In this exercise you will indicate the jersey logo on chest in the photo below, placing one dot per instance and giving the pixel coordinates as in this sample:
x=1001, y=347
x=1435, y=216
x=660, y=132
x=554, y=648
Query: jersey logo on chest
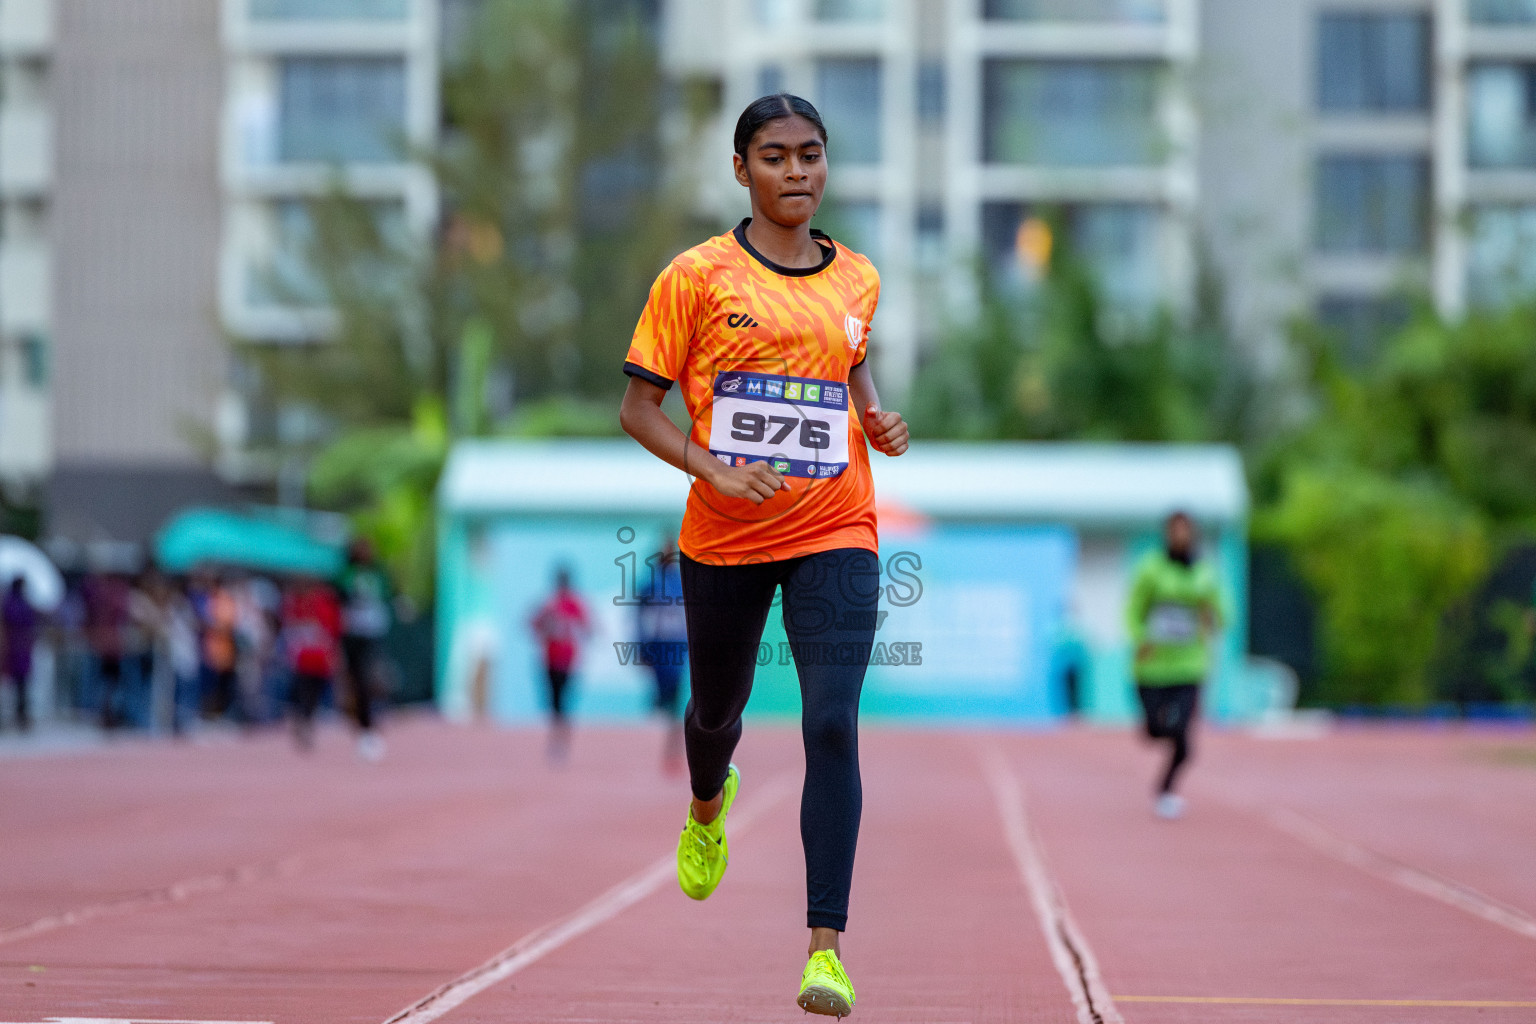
x=740, y=320
x=855, y=328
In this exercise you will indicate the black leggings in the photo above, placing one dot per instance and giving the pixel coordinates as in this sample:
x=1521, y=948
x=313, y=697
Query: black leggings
x=360, y=653
x=559, y=679
x=830, y=600
x=1170, y=711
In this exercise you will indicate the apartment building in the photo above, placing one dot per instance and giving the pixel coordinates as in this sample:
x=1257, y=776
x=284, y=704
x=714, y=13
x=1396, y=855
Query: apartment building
x=1324, y=157
x=956, y=123
x=26, y=170
x=155, y=159
x=320, y=95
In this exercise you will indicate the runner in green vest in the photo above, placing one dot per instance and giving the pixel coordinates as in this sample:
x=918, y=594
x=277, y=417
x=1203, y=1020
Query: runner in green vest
x=1175, y=610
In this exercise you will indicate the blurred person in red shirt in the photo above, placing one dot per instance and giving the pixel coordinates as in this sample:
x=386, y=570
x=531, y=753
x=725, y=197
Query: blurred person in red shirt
x=311, y=638
x=561, y=625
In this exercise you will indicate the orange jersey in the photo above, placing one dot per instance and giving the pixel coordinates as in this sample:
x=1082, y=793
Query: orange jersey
x=763, y=354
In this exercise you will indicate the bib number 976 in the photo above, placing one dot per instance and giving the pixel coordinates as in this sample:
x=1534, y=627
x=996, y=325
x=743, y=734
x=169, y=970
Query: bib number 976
x=755, y=427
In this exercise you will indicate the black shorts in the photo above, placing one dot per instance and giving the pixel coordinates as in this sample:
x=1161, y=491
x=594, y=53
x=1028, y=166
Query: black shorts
x=1168, y=710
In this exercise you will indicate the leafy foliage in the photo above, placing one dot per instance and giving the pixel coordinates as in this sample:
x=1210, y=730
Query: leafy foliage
x=1386, y=559
x=1062, y=362
x=1397, y=494
x=1395, y=489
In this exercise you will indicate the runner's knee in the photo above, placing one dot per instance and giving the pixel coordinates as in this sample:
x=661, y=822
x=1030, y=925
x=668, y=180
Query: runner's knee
x=831, y=732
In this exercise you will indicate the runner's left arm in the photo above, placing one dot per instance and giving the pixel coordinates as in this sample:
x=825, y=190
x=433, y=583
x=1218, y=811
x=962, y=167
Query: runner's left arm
x=887, y=431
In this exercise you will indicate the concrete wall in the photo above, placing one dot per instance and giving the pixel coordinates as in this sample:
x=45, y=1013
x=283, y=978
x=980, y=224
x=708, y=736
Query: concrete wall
x=139, y=358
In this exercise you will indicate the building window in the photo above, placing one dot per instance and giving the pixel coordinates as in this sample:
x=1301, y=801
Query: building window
x=34, y=361
x=1133, y=11
x=1373, y=62
x=848, y=95
x=281, y=271
x=343, y=109
x=1372, y=204
x=1501, y=115
x=1501, y=254
x=1071, y=113
x=1117, y=241
x=1361, y=323
x=1502, y=12
x=929, y=248
x=850, y=10
x=770, y=80
x=330, y=10
x=930, y=92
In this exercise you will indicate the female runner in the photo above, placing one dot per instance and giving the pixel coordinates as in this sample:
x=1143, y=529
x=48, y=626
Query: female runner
x=767, y=328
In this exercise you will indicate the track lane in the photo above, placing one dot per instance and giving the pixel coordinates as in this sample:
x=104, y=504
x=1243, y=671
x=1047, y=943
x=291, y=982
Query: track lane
x=1221, y=917
x=415, y=871
x=373, y=920
x=941, y=930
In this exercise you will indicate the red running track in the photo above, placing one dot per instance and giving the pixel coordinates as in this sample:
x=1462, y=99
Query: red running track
x=1372, y=876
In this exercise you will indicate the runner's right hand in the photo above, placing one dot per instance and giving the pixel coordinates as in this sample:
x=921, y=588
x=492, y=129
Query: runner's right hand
x=756, y=481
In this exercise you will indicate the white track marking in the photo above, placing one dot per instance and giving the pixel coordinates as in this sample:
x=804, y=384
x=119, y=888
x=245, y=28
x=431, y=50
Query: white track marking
x=545, y=940
x=177, y=892
x=1445, y=890
x=1074, y=960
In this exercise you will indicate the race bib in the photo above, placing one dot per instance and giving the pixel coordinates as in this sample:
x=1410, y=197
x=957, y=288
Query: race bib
x=798, y=424
x=1173, y=624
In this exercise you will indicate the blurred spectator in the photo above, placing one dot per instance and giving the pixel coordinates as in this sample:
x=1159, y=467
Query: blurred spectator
x=561, y=625
x=663, y=636
x=311, y=633
x=258, y=607
x=137, y=691
x=365, y=623
x=106, y=597
x=19, y=623
x=172, y=626
x=220, y=653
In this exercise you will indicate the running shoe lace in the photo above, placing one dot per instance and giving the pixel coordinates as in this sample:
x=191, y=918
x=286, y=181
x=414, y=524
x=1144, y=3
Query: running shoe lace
x=699, y=847
x=828, y=964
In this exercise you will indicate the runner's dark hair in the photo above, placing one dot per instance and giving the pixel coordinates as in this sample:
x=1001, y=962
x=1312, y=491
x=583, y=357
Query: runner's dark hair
x=776, y=107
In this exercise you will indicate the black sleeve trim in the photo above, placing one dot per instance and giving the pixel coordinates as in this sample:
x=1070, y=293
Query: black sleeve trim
x=636, y=370
x=861, y=362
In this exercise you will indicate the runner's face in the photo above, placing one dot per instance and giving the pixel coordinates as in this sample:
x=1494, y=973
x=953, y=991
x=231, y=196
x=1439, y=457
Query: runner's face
x=1180, y=536
x=786, y=171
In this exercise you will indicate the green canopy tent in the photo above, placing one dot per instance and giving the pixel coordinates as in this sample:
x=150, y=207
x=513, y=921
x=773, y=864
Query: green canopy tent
x=205, y=535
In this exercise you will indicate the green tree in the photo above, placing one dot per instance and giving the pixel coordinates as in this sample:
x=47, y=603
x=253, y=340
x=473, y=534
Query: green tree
x=1061, y=361
x=1400, y=490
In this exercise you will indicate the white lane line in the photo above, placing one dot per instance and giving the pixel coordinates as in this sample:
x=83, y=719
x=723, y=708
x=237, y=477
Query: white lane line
x=545, y=940
x=1446, y=890
x=1074, y=960
x=177, y=892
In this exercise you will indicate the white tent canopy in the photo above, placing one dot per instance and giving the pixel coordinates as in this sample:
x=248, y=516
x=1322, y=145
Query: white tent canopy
x=1058, y=482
